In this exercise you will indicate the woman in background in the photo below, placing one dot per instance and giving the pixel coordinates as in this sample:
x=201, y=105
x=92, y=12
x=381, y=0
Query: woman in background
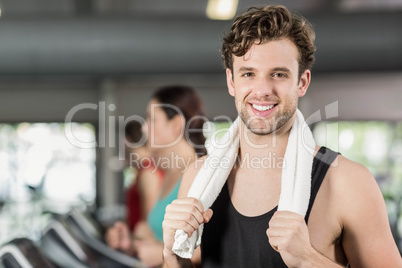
x=142, y=193
x=175, y=119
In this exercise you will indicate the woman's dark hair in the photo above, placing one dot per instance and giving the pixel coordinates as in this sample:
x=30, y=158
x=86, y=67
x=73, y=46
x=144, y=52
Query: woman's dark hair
x=184, y=99
x=133, y=131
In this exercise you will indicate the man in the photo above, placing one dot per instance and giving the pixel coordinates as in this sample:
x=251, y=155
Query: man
x=268, y=56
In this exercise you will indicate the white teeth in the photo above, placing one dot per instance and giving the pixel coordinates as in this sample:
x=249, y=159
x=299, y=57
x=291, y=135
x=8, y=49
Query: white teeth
x=262, y=108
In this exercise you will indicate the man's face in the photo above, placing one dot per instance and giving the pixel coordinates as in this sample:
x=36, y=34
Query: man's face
x=265, y=85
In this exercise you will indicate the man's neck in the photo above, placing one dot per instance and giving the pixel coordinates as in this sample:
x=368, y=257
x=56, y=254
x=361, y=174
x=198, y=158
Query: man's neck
x=253, y=145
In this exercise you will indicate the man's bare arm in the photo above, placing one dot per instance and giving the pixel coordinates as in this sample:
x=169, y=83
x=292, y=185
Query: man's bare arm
x=367, y=239
x=185, y=214
x=174, y=261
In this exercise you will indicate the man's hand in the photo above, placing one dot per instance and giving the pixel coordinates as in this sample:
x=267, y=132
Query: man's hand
x=288, y=234
x=119, y=237
x=182, y=214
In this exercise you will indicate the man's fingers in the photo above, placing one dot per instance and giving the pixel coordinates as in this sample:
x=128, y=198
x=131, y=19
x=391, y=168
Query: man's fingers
x=178, y=225
x=283, y=214
x=277, y=238
x=276, y=244
x=207, y=215
x=288, y=220
x=284, y=228
x=284, y=223
x=188, y=205
x=189, y=201
x=185, y=214
x=184, y=218
x=278, y=232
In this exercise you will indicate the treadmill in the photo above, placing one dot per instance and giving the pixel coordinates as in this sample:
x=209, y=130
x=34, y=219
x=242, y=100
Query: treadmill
x=87, y=231
x=22, y=253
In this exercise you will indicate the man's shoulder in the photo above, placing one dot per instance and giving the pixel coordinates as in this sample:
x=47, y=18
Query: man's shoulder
x=345, y=171
x=351, y=184
x=346, y=175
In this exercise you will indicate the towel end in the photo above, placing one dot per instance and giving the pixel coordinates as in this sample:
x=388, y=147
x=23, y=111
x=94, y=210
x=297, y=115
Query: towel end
x=183, y=245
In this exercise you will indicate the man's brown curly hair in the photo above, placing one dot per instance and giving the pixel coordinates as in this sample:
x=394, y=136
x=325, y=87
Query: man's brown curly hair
x=259, y=25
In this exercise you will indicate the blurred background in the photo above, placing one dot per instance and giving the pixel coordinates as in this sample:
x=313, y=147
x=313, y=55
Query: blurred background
x=80, y=65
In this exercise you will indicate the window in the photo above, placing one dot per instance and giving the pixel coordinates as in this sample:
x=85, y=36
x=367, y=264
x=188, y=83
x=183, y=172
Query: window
x=40, y=170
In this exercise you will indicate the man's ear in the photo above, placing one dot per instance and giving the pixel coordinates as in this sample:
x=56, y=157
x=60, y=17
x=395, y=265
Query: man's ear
x=304, y=82
x=229, y=81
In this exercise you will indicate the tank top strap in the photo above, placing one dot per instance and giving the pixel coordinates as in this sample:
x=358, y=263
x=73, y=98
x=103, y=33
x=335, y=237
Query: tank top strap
x=321, y=164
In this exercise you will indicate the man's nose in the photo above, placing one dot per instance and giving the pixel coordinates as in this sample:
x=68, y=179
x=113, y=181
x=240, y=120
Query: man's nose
x=264, y=87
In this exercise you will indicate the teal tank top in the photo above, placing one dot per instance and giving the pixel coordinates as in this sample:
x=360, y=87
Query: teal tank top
x=157, y=214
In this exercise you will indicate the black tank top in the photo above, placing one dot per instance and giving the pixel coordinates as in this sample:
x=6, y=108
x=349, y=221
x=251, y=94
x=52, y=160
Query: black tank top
x=231, y=239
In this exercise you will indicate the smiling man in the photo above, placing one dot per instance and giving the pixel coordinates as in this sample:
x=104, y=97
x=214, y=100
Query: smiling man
x=268, y=57
x=266, y=86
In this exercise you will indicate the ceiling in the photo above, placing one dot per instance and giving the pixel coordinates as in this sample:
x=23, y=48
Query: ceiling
x=120, y=37
x=176, y=8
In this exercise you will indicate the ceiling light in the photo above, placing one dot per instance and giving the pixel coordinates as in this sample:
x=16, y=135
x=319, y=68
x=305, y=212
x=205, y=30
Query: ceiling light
x=221, y=9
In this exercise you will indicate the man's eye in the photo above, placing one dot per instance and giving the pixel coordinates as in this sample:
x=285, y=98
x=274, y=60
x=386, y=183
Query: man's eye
x=247, y=74
x=280, y=75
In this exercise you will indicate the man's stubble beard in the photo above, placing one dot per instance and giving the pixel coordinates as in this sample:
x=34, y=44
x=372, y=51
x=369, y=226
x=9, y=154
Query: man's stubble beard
x=261, y=126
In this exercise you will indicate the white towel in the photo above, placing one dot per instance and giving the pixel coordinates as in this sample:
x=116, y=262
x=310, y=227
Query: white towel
x=295, y=185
